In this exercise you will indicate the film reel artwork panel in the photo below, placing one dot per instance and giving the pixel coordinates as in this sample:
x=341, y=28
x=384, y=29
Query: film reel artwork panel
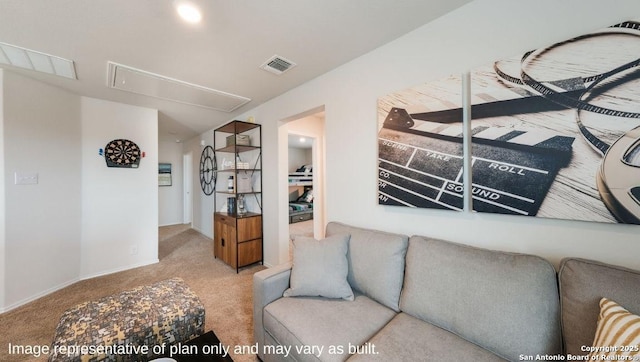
x=421, y=167
x=575, y=105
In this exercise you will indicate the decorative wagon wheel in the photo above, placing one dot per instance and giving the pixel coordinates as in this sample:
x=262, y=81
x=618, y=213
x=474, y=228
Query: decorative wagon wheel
x=122, y=153
x=208, y=166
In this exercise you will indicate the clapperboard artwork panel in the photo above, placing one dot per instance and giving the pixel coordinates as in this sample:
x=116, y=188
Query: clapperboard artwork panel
x=555, y=129
x=419, y=171
x=509, y=179
x=419, y=165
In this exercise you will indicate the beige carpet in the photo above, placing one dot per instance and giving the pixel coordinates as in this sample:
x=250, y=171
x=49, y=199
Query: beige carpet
x=183, y=253
x=304, y=228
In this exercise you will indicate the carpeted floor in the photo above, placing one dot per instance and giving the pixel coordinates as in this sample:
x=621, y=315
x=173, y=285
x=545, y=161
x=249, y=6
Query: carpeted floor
x=301, y=228
x=183, y=253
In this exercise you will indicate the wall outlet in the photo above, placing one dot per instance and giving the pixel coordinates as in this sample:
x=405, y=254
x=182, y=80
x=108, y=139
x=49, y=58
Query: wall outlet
x=23, y=178
x=133, y=250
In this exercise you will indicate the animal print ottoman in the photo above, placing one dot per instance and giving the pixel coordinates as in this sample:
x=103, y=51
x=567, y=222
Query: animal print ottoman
x=130, y=326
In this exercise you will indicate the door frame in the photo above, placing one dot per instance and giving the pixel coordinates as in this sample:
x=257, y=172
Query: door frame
x=187, y=188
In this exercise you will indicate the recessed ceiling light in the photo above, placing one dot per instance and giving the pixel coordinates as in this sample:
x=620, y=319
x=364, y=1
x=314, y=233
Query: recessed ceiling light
x=303, y=140
x=189, y=12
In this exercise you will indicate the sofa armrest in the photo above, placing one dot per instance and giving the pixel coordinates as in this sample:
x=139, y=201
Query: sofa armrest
x=268, y=285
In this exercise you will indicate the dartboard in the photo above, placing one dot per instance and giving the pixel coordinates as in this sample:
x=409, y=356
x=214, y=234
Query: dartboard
x=122, y=153
x=207, y=170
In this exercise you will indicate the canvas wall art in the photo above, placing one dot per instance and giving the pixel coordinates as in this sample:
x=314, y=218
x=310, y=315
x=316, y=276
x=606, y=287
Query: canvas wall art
x=555, y=134
x=164, y=174
x=549, y=129
x=420, y=146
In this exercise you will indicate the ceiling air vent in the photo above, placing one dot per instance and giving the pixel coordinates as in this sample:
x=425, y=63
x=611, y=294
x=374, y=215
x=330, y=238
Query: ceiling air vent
x=35, y=60
x=277, y=65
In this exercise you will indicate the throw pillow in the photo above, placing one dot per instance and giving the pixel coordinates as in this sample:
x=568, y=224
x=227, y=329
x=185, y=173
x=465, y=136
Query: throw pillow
x=320, y=268
x=617, y=333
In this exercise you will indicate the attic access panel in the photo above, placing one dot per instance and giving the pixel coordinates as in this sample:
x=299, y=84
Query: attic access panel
x=138, y=81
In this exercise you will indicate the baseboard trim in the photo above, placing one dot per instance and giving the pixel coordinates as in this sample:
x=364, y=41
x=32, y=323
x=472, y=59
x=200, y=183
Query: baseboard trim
x=174, y=224
x=38, y=295
x=116, y=270
x=68, y=283
x=202, y=232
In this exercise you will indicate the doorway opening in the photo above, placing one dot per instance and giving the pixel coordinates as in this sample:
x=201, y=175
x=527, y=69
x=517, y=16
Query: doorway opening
x=300, y=179
x=187, y=185
x=305, y=178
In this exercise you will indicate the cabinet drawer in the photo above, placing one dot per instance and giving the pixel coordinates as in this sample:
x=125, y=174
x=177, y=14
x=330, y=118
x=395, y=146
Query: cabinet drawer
x=300, y=217
x=249, y=252
x=249, y=228
x=225, y=219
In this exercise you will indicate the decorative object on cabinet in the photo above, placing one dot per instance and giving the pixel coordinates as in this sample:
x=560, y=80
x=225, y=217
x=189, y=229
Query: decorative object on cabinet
x=208, y=166
x=164, y=174
x=237, y=219
x=122, y=153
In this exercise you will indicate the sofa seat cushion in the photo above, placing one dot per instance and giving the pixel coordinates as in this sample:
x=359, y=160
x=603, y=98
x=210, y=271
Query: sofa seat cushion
x=505, y=302
x=313, y=321
x=407, y=338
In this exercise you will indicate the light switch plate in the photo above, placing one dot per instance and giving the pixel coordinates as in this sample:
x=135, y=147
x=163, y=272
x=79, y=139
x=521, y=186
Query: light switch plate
x=23, y=178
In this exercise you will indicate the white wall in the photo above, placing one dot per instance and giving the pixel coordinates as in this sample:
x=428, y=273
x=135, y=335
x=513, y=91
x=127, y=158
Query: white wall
x=473, y=35
x=170, y=198
x=41, y=135
x=119, y=205
x=81, y=218
x=3, y=272
x=202, y=204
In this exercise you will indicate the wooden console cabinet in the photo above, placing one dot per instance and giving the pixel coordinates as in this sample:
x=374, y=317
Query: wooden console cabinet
x=237, y=240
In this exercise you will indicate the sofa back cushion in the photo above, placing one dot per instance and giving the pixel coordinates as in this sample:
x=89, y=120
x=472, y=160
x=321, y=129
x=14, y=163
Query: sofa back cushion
x=582, y=284
x=376, y=262
x=507, y=303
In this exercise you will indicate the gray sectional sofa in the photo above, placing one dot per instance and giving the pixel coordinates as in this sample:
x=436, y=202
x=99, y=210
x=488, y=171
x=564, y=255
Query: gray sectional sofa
x=421, y=299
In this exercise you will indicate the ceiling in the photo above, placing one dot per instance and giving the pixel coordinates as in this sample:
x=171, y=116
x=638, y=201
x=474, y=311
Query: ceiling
x=297, y=141
x=224, y=51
